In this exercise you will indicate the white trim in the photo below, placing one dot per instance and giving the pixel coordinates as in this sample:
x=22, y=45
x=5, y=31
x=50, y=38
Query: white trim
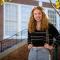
x=3, y=20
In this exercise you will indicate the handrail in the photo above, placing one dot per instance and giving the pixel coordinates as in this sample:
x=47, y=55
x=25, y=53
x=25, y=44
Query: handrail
x=1, y=48
x=14, y=34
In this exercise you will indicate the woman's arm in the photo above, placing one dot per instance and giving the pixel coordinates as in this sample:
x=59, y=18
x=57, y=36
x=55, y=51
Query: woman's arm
x=29, y=41
x=29, y=38
x=55, y=35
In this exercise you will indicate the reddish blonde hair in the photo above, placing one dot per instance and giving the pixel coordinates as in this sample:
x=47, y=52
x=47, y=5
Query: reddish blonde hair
x=32, y=22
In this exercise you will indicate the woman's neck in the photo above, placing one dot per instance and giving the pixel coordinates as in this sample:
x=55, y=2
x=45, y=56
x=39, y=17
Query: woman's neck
x=38, y=25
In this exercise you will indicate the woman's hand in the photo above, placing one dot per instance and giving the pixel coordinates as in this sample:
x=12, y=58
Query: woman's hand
x=50, y=47
x=29, y=46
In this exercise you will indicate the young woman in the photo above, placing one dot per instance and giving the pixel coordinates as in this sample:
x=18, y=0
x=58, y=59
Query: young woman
x=40, y=35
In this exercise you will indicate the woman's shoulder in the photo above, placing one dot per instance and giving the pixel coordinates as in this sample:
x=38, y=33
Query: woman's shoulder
x=51, y=26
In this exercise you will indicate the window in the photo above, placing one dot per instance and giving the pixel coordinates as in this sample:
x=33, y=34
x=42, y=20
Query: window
x=59, y=24
x=10, y=19
x=25, y=14
x=52, y=16
x=16, y=18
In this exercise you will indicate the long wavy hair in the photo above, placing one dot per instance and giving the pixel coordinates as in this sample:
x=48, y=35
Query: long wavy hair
x=32, y=21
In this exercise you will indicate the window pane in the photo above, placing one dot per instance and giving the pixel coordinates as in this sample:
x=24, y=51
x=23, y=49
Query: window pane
x=52, y=16
x=10, y=13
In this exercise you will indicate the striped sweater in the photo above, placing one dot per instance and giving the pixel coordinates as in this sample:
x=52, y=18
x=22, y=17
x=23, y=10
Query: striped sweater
x=39, y=38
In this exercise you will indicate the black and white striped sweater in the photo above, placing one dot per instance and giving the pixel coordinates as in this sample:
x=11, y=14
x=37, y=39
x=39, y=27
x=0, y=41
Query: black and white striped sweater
x=38, y=38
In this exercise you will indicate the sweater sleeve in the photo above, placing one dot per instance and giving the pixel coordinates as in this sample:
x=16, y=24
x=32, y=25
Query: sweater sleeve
x=29, y=37
x=56, y=35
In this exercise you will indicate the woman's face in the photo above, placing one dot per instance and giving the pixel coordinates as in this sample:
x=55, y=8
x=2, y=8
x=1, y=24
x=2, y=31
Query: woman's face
x=37, y=15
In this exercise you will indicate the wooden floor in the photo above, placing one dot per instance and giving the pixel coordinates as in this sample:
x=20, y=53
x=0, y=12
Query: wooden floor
x=19, y=54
